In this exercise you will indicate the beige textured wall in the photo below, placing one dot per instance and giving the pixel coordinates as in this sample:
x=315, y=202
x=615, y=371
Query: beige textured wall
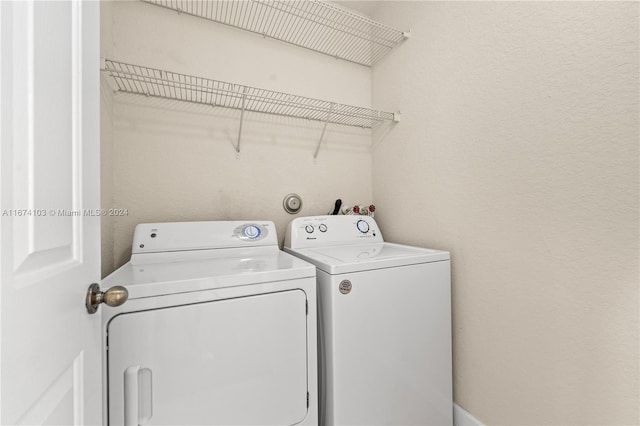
x=106, y=143
x=518, y=152
x=177, y=161
x=106, y=179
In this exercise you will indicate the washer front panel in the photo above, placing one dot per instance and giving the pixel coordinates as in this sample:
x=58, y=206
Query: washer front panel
x=387, y=345
x=240, y=361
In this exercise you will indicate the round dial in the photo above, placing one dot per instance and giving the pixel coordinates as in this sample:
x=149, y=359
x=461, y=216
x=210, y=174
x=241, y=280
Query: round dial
x=322, y=227
x=309, y=229
x=363, y=226
x=251, y=231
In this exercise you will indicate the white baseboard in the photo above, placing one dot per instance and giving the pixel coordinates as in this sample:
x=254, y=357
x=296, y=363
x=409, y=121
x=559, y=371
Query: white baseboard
x=462, y=417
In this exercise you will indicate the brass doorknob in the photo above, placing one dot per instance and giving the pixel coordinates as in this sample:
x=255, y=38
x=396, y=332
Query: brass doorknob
x=115, y=296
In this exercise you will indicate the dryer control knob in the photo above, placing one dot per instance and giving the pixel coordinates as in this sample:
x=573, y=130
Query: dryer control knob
x=322, y=227
x=309, y=229
x=251, y=231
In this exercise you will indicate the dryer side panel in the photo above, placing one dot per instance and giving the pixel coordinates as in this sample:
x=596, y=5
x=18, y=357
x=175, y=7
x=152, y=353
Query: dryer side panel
x=240, y=361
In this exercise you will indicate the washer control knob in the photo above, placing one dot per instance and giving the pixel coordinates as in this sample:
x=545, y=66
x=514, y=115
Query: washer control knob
x=309, y=229
x=251, y=231
x=363, y=226
x=322, y=227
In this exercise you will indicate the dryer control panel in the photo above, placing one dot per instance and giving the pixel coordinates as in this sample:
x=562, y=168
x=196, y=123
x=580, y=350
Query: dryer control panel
x=183, y=236
x=317, y=231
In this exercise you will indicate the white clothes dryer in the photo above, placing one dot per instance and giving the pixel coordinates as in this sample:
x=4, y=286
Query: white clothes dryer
x=384, y=323
x=219, y=329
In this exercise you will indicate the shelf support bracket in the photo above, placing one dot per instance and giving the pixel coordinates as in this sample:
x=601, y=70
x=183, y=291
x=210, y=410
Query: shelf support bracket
x=324, y=129
x=244, y=98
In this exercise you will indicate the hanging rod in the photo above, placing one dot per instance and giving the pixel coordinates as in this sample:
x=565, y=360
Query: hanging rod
x=170, y=85
x=312, y=24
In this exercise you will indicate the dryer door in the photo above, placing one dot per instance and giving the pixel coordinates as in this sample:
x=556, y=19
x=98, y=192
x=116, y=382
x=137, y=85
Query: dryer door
x=239, y=361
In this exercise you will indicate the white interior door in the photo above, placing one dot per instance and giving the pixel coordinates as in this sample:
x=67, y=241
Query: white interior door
x=49, y=153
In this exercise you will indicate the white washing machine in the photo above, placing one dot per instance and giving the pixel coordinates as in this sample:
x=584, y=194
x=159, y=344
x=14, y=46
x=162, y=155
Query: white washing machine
x=219, y=329
x=385, y=323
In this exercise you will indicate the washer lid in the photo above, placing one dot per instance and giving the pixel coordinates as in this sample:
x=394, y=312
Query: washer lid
x=355, y=258
x=170, y=273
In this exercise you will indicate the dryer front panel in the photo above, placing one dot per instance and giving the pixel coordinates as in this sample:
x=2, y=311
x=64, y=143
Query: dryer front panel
x=240, y=361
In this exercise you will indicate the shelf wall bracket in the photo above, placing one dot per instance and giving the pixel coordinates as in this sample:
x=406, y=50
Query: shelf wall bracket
x=324, y=129
x=244, y=98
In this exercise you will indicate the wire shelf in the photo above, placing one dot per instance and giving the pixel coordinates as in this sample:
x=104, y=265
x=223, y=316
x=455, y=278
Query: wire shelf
x=170, y=85
x=312, y=24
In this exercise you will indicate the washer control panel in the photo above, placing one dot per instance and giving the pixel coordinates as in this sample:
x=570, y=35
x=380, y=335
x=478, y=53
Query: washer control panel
x=316, y=231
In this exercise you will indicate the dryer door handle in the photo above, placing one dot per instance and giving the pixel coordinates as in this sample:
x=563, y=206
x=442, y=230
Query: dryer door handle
x=138, y=398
